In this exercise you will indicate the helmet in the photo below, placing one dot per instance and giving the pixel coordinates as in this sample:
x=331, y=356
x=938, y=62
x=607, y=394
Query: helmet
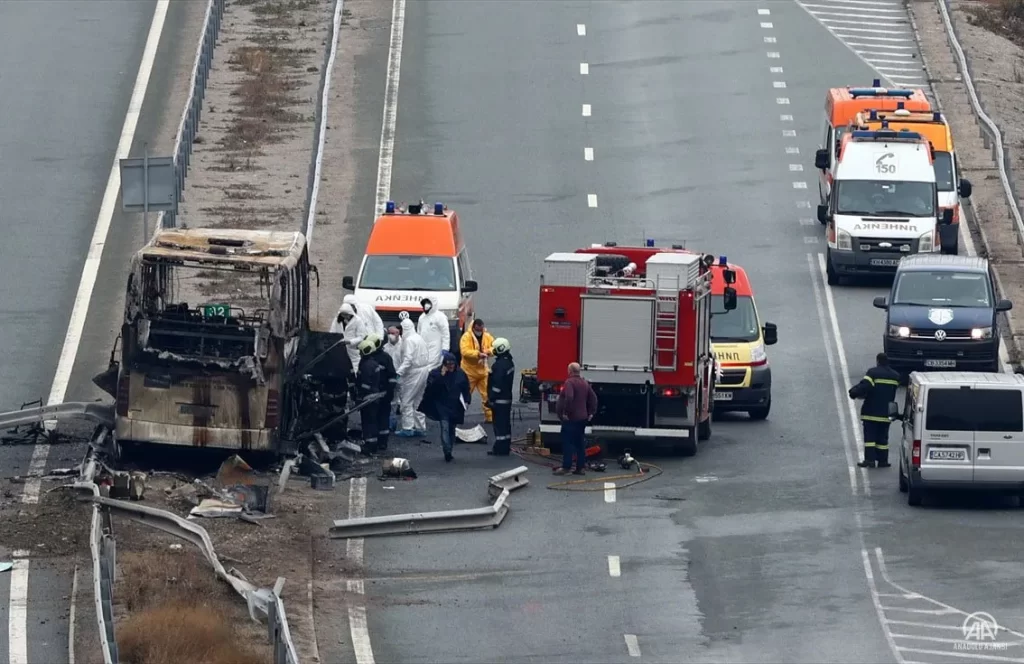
x=378, y=341
x=367, y=346
x=501, y=345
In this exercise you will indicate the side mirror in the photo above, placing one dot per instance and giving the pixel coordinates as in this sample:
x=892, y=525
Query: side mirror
x=348, y=283
x=1004, y=305
x=965, y=188
x=880, y=303
x=771, y=334
x=729, y=276
x=729, y=298
x=947, y=217
x=469, y=287
x=894, y=411
x=821, y=159
x=823, y=214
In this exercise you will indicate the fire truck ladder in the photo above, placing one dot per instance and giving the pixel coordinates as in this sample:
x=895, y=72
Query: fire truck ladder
x=666, y=325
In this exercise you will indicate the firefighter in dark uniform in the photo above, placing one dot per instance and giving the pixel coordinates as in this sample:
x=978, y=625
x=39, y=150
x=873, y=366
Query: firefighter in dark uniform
x=499, y=396
x=369, y=381
x=878, y=389
x=389, y=382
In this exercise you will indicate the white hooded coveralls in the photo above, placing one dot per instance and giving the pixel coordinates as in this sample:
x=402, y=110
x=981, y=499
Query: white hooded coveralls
x=433, y=327
x=412, y=377
x=374, y=325
x=395, y=351
x=355, y=331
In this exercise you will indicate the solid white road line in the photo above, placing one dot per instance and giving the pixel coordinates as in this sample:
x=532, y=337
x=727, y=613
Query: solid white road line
x=632, y=645
x=390, y=120
x=586, y=110
x=592, y=200
x=581, y=29
x=72, y=610
x=609, y=492
x=870, y=574
x=17, y=614
x=588, y=154
x=324, y=102
x=614, y=568
x=837, y=384
x=584, y=68
x=357, y=623
x=90, y=271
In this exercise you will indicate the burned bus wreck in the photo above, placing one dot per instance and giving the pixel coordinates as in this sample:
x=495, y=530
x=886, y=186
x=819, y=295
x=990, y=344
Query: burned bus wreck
x=215, y=347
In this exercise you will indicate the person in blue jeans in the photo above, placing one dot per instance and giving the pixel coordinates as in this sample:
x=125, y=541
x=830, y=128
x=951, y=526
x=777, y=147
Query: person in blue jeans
x=577, y=405
x=445, y=400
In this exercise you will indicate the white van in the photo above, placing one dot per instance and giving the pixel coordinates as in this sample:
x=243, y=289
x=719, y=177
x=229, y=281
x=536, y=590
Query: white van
x=962, y=431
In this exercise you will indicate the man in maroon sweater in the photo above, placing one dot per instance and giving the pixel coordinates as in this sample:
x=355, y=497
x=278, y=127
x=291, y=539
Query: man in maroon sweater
x=577, y=405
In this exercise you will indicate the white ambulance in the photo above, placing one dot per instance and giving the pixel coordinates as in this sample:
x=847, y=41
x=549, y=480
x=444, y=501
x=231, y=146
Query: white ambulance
x=884, y=203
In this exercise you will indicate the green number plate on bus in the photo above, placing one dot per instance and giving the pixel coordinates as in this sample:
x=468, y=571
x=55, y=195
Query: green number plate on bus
x=215, y=310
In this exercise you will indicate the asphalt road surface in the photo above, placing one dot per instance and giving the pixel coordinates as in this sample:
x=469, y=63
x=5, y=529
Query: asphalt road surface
x=66, y=75
x=770, y=545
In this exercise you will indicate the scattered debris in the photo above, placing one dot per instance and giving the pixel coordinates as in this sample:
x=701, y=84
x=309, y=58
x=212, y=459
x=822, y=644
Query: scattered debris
x=397, y=467
x=6, y=567
x=475, y=435
x=510, y=480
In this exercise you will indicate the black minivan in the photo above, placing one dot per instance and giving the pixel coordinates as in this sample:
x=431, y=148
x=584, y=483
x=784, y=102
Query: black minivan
x=942, y=314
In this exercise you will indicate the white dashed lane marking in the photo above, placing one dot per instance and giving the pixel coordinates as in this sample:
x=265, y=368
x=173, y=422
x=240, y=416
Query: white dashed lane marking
x=586, y=110
x=879, y=31
x=775, y=70
x=584, y=68
x=799, y=185
x=588, y=154
x=614, y=567
x=778, y=84
x=632, y=645
x=769, y=40
x=609, y=492
x=793, y=150
x=782, y=100
x=766, y=25
x=774, y=54
x=581, y=29
x=789, y=133
x=764, y=12
x=592, y=200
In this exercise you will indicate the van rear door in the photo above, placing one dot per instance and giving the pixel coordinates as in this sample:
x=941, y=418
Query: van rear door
x=947, y=442
x=999, y=439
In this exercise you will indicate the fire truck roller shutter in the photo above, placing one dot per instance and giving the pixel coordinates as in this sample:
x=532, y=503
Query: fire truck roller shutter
x=617, y=331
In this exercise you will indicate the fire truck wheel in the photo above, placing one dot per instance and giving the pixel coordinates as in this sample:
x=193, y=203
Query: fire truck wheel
x=613, y=262
x=704, y=429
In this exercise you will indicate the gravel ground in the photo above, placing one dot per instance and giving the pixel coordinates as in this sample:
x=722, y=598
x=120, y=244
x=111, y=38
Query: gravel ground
x=997, y=69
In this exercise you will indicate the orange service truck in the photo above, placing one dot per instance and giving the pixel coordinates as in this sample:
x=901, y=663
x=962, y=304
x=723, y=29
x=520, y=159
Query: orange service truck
x=841, y=108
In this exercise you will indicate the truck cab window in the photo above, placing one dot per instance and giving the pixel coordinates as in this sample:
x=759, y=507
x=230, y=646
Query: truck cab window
x=944, y=179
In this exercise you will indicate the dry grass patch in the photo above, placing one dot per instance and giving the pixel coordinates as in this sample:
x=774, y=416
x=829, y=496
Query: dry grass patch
x=178, y=611
x=1003, y=17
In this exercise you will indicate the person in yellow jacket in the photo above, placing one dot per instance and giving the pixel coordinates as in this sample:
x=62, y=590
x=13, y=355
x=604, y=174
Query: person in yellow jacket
x=475, y=347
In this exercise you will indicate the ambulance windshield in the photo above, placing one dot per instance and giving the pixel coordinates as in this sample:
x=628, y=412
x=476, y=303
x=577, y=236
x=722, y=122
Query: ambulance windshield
x=944, y=171
x=867, y=198
x=736, y=326
x=409, y=273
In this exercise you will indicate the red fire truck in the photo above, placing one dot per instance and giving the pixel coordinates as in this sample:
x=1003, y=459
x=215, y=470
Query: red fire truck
x=638, y=320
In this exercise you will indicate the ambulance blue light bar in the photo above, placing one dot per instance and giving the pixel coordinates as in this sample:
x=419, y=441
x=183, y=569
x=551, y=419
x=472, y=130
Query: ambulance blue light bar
x=889, y=135
x=881, y=92
x=439, y=209
x=389, y=207
x=722, y=260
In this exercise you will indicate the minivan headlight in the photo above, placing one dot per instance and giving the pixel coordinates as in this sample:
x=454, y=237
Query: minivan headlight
x=926, y=242
x=901, y=331
x=843, y=241
x=981, y=333
x=758, y=354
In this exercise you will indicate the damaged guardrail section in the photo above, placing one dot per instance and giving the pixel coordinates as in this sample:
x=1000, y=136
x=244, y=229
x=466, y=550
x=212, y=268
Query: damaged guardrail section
x=265, y=602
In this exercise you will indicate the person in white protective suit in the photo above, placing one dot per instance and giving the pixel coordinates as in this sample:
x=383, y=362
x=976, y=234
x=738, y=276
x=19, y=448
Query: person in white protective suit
x=354, y=329
x=393, y=347
x=433, y=327
x=369, y=315
x=412, y=381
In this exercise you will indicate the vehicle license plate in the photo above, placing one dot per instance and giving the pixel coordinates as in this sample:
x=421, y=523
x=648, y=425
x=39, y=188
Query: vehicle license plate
x=940, y=364
x=885, y=262
x=722, y=396
x=947, y=455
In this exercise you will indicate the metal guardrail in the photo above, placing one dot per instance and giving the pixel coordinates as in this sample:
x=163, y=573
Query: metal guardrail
x=479, y=518
x=97, y=412
x=993, y=130
x=320, y=130
x=266, y=602
x=189, y=124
